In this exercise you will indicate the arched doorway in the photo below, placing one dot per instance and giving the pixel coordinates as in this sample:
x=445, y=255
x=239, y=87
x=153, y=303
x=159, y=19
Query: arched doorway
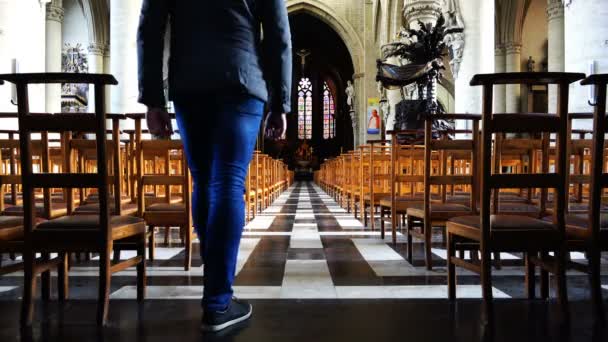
x=319, y=126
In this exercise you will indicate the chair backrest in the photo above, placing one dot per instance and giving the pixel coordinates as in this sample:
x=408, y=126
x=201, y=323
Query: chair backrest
x=34, y=123
x=446, y=146
x=599, y=178
x=405, y=166
x=379, y=167
x=87, y=149
x=534, y=123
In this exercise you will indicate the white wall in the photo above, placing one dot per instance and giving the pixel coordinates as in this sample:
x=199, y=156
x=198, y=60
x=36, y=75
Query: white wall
x=22, y=23
x=75, y=29
x=586, y=40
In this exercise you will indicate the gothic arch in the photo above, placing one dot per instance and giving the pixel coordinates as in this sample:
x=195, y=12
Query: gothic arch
x=342, y=27
x=97, y=15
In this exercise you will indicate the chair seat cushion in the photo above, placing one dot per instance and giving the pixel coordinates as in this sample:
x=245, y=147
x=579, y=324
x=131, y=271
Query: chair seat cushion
x=377, y=197
x=91, y=222
x=518, y=208
x=11, y=228
x=439, y=209
x=504, y=222
x=57, y=210
x=94, y=198
x=93, y=208
x=402, y=203
x=172, y=207
x=577, y=226
x=458, y=198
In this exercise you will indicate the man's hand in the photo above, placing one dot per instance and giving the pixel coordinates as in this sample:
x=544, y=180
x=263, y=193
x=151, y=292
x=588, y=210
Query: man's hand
x=159, y=122
x=275, y=126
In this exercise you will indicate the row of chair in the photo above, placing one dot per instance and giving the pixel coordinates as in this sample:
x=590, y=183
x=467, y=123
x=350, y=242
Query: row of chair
x=519, y=182
x=72, y=185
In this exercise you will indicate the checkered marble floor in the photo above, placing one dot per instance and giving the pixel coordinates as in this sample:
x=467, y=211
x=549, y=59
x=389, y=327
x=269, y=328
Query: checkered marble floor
x=305, y=246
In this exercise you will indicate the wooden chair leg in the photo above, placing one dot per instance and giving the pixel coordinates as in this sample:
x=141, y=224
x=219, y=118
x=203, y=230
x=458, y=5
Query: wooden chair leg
x=167, y=235
x=29, y=289
x=451, y=267
x=188, y=257
x=116, y=255
x=141, y=270
x=530, y=277
x=182, y=235
x=103, y=300
x=151, y=243
x=497, y=261
x=410, y=242
x=594, y=257
x=382, y=232
x=461, y=253
x=365, y=217
x=562, y=289
x=62, y=277
x=544, y=278
x=45, y=280
x=486, y=287
x=428, y=236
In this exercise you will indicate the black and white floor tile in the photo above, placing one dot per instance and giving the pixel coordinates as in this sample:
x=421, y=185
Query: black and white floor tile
x=305, y=246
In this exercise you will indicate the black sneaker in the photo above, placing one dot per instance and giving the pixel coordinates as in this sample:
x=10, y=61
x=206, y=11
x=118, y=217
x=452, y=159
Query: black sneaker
x=237, y=311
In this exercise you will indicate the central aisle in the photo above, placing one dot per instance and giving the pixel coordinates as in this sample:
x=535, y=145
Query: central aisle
x=305, y=246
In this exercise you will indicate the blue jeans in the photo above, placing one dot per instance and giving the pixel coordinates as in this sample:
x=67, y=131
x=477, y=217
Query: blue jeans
x=219, y=134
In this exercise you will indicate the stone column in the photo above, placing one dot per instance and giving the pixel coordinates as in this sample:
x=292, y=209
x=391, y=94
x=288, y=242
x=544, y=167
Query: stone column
x=54, y=46
x=500, y=102
x=513, y=64
x=556, y=41
x=107, y=68
x=124, y=19
x=96, y=66
x=425, y=10
x=478, y=54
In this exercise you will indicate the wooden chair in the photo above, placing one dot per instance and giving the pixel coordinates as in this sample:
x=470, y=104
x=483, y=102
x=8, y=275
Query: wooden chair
x=406, y=175
x=167, y=213
x=251, y=198
x=87, y=233
x=516, y=233
x=82, y=151
x=379, y=179
x=589, y=232
x=427, y=215
x=48, y=205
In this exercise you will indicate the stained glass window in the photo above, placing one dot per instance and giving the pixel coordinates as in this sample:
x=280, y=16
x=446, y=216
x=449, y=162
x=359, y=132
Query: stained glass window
x=305, y=109
x=329, y=112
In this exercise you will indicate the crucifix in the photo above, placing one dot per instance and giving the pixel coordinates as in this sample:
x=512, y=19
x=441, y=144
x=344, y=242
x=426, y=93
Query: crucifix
x=303, y=53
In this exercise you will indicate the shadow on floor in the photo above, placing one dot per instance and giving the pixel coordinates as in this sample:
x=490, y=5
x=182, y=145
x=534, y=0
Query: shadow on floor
x=307, y=320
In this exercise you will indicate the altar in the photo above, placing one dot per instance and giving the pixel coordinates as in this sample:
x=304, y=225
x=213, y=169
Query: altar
x=305, y=161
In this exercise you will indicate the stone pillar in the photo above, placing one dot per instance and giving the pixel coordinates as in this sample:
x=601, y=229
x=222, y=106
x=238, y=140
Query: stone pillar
x=54, y=46
x=556, y=41
x=425, y=10
x=478, y=54
x=107, y=68
x=586, y=40
x=513, y=64
x=124, y=19
x=96, y=66
x=500, y=102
